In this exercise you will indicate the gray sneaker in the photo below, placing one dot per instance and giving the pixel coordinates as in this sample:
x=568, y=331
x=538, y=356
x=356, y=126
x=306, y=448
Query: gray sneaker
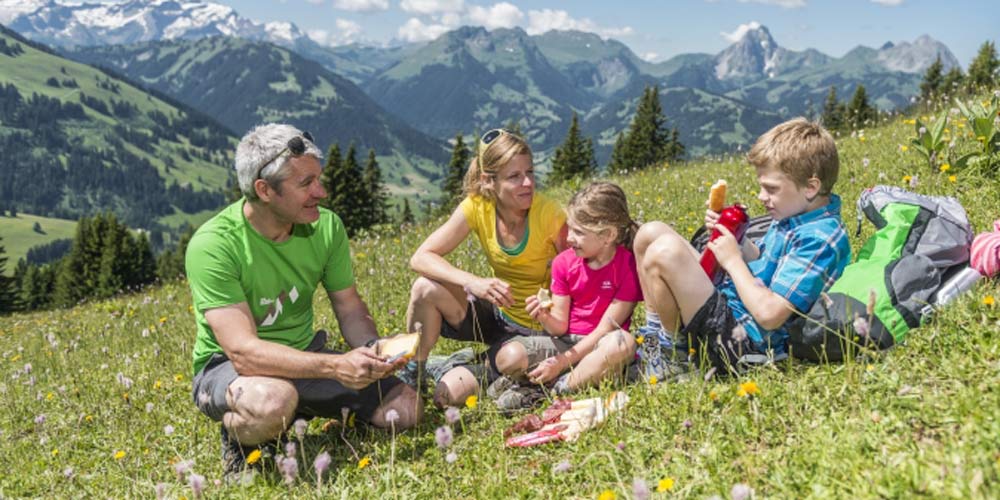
x=499, y=386
x=518, y=398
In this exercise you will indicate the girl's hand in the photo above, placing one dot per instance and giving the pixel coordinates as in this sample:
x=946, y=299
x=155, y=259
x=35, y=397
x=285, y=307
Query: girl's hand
x=492, y=290
x=725, y=248
x=547, y=370
x=535, y=310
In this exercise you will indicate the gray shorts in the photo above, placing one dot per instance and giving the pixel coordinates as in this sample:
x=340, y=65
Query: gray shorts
x=317, y=397
x=541, y=347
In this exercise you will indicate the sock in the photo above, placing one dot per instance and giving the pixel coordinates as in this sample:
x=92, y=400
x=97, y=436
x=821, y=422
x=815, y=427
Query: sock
x=653, y=320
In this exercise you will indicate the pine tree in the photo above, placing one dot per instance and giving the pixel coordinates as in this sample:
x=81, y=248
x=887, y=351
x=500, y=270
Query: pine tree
x=514, y=127
x=170, y=264
x=647, y=138
x=36, y=287
x=859, y=113
x=983, y=70
x=332, y=169
x=452, y=189
x=574, y=157
x=346, y=192
x=675, y=148
x=374, y=192
x=8, y=295
x=930, y=87
x=618, y=163
x=953, y=81
x=407, y=216
x=833, y=118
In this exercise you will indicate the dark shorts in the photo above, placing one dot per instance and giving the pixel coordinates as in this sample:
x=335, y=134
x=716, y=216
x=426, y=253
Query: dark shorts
x=713, y=331
x=317, y=397
x=485, y=323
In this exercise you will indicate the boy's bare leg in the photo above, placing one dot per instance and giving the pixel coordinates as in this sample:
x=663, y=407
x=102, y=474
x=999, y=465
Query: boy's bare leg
x=673, y=283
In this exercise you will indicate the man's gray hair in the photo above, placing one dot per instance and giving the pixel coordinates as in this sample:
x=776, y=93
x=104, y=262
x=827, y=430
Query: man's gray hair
x=261, y=145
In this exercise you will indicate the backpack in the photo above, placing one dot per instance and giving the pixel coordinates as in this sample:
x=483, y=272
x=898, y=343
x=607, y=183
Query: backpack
x=919, y=242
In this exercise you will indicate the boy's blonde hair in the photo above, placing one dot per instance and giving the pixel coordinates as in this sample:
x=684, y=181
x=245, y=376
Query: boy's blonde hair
x=489, y=160
x=800, y=149
x=602, y=206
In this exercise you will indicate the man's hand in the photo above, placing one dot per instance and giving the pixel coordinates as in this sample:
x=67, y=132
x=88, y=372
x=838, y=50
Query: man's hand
x=725, y=248
x=547, y=370
x=493, y=290
x=359, y=367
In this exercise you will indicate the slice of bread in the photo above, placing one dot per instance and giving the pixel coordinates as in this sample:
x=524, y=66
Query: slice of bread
x=544, y=298
x=403, y=345
x=717, y=196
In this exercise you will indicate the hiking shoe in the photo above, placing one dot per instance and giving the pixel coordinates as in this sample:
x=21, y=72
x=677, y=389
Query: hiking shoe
x=437, y=366
x=518, y=398
x=234, y=457
x=499, y=386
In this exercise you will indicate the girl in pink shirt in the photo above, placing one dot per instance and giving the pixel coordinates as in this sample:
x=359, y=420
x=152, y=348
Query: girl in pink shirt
x=595, y=288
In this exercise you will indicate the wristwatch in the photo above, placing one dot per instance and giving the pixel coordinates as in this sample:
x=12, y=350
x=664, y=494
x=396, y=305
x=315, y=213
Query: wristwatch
x=372, y=342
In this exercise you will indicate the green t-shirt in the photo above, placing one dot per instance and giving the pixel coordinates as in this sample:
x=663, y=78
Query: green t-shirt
x=229, y=262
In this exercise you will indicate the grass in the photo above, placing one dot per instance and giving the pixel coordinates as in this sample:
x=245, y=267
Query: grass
x=919, y=420
x=19, y=235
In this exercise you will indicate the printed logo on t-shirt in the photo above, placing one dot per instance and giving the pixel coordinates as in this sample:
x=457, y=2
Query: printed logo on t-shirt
x=607, y=285
x=276, y=306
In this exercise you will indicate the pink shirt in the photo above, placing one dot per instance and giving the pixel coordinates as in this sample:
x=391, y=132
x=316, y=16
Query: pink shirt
x=591, y=291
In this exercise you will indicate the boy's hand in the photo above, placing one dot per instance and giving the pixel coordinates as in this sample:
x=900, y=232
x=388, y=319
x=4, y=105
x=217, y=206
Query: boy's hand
x=725, y=248
x=711, y=219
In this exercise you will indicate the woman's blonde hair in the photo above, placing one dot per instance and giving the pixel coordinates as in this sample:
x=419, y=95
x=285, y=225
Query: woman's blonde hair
x=602, y=206
x=489, y=160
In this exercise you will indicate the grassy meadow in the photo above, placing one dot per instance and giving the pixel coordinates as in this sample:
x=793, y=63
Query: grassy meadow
x=19, y=234
x=97, y=398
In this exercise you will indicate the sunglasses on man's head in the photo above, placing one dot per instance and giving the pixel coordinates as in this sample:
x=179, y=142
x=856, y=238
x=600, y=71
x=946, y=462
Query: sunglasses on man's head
x=296, y=146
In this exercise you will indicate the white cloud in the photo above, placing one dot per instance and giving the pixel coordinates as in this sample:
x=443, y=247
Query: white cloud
x=650, y=56
x=347, y=32
x=540, y=21
x=427, y=7
x=788, y=4
x=499, y=15
x=889, y=3
x=314, y=2
x=741, y=30
x=414, y=30
x=361, y=5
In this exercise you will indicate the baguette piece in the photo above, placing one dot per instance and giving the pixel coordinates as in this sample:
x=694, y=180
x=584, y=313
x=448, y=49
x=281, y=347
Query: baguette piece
x=403, y=345
x=717, y=196
x=544, y=298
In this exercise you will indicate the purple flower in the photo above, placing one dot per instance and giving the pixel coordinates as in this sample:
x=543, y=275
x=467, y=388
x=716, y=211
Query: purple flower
x=40, y=419
x=197, y=483
x=621, y=446
x=68, y=472
x=183, y=467
x=741, y=491
x=161, y=491
x=561, y=467
x=290, y=449
x=688, y=424
x=861, y=326
x=451, y=457
x=300, y=426
x=392, y=416
x=27, y=368
x=149, y=407
x=640, y=490
x=289, y=468
x=443, y=436
x=125, y=381
x=168, y=429
x=452, y=414
x=321, y=463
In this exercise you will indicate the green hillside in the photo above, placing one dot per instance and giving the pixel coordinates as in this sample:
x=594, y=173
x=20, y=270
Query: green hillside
x=98, y=403
x=19, y=234
x=100, y=143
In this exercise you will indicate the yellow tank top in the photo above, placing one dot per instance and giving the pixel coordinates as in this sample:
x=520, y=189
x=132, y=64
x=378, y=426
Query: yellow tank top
x=527, y=267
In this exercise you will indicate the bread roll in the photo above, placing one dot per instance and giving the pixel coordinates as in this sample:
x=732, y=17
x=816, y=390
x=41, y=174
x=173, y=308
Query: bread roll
x=403, y=345
x=544, y=298
x=717, y=197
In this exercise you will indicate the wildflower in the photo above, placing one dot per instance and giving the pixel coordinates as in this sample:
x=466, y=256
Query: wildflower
x=652, y=380
x=120, y=454
x=27, y=368
x=865, y=162
x=443, y=436
x=364, y=462
x=392, y=416
x=741, y=491
x=253, y=457
x=922, y=131
x=300, y=426
x=903, y=148
x=607, y=495
x=688, y=424
x=861, y=326
x=561, y=467
x=913, y=182
x=289, y=468
x=714, y=396
x=149, y=407
x=161, y=491
x=952, y=178
x=471, y=402
x=907, y=178
x=40, y=419
x=748, y=388
x=640, y=339
x=640, y=490
x=451, y=457
x=183, y=467
x=988, y=300
x=620, y=446
x=123, y=380
x=945, y=167
x=665, y=484
x=68, y=472
x=178, y=377
x=452, y=414
x=321, y=463
x=197, y=483
x=157, y=385
x=290, y=449
x=163, y=319
x=55, y=452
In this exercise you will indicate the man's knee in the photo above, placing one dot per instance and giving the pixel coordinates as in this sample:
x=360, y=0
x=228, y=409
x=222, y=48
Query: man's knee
x=512, y=359
x=265, y=405
x=404, y=405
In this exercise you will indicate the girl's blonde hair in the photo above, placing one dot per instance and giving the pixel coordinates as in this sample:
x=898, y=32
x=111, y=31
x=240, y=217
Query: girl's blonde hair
x=489, y=160
x=602, y=206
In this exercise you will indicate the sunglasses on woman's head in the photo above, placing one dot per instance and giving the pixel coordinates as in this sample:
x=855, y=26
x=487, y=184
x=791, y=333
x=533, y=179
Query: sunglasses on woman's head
x=487, y=139
x=296, y=146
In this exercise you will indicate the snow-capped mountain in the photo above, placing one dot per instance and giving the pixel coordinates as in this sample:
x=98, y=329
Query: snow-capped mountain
x=917, y=56
x=70, y=23
x=756, y=55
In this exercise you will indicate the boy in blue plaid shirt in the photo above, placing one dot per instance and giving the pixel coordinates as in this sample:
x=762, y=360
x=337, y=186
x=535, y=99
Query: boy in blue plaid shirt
x=804, y=251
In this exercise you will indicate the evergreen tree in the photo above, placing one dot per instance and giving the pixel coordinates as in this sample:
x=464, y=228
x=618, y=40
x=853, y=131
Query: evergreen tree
x=170, y=264
x=618, y=162
x=407, y=215
x=953, y=81
x=574, y=157
x=346, y=193
x=833, y=118
x=8, y=295
x=452, y=189
x=859, y=113
x=514, y=127
x=646, y=142
x=983, y=70
x=374, y=192
x=331, y=171
x=142, y=262
x=675, y=148
x=930, y=87
x=36, y=287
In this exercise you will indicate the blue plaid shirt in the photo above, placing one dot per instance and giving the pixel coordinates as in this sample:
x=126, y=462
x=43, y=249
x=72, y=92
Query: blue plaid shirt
x=800, y=257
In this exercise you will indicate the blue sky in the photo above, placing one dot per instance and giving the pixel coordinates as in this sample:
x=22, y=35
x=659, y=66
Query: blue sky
x=656, y=30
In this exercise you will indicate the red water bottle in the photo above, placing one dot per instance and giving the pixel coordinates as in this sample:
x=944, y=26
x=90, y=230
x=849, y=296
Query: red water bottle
x=735, y=219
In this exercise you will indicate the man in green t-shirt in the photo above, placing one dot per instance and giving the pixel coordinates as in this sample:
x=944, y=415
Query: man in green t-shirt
x=253, y=270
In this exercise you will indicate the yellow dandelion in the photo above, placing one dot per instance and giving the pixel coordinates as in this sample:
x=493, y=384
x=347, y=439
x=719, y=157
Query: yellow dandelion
x=907, y=178
x=903, y=148
x=607, y=495
x=364, y=462
x=714, y=396
x=15, y=358
x=749, y=388
x=869, y=368
x=50, y=396
x=640, y=339
x=120, y=454
x=945, y=167
x=178, y=377
x=636, y=192
x=471, y=402
x=163, y=319
x=361, y=255
x=351, y=420
x=253, y=457
x=981, y=139
x=691, y=351
x=862, y=138
x=952, y=178
x=55, y=452
x=158, y=384
x=89, y=418
x=988, y=300
x=665, y=484
x=190, y=308
x=653, y=380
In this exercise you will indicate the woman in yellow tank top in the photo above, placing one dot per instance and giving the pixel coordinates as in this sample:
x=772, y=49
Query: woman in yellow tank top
x=520, y=231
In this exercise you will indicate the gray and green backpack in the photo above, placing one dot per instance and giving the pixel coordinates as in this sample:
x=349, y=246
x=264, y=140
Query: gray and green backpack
x=919, y=242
